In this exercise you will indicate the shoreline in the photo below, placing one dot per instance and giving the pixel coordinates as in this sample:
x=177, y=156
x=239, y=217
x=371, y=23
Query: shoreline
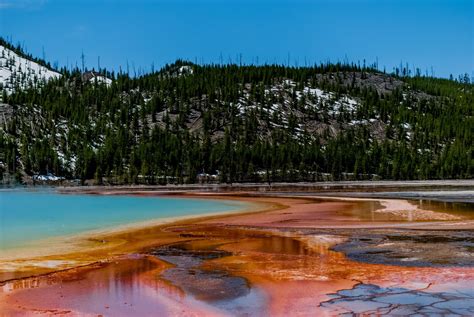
x=94, y=234
x=364, y=184
x=81, y=249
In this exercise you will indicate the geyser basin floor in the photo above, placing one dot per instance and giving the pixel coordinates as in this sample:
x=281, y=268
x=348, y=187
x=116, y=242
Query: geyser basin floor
x=279, y=263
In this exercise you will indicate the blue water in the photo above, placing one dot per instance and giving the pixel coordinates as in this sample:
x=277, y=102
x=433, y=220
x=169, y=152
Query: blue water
x=28, y=216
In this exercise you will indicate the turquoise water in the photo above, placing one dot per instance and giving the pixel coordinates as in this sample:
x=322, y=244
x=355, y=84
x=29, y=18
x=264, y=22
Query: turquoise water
x=28, y=216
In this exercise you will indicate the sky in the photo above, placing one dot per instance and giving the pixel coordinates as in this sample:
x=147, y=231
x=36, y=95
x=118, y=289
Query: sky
x=434, y=35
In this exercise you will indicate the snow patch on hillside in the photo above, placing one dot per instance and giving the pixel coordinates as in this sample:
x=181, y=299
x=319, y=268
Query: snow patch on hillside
x=342, y=103
x=286, y=102
x=184, y=70
x=100, y=79
x=47, y=178
x=19, y=72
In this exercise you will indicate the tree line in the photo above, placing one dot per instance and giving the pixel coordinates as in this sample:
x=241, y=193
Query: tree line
x=172, y=127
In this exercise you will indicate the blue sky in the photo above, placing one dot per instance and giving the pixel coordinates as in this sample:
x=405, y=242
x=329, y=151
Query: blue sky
x=422, y=33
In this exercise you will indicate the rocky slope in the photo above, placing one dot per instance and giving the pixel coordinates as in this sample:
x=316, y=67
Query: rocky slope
x=239, y=123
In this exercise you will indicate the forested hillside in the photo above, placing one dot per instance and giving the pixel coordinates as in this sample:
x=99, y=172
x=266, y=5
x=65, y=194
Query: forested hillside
x=229, y=123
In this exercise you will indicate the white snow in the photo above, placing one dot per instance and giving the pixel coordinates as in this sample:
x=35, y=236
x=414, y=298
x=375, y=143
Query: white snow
x=316, y=92
x=323, y=97
x=47, y=177
x=358, y=122
x=101, y=80
x=279, y=102
x=185, y=70
x=16, y=71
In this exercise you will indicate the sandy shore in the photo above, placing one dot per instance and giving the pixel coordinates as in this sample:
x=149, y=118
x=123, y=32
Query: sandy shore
x=291, y=269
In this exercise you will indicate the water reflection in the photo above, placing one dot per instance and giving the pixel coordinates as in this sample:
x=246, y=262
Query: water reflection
x=121, y=288
x=462, y=209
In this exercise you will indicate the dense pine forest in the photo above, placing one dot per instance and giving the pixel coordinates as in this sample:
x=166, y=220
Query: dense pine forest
x=190, y=123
